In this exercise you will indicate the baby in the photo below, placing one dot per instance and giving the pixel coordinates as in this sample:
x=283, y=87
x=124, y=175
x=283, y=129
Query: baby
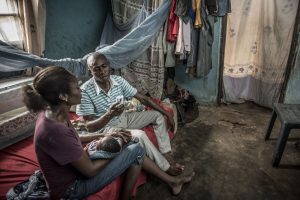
x=108, y=146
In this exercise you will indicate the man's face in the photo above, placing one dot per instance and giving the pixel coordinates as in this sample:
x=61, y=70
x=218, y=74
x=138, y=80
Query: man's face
x=100, y=69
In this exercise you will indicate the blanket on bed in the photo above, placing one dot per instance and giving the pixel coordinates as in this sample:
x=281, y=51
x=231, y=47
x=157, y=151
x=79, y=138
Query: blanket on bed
x=18, y=162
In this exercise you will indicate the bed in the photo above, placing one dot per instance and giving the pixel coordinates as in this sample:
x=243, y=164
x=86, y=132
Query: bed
x=18, y=162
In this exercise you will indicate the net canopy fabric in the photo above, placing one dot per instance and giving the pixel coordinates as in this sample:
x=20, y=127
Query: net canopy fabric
x=127, y=43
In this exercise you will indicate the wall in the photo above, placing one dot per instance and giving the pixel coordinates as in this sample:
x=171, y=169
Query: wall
x=204, y=89
x=73, y=28
x=292, y=94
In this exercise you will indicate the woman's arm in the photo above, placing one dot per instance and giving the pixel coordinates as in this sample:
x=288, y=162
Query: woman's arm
x=87, y=167
x=90, y=137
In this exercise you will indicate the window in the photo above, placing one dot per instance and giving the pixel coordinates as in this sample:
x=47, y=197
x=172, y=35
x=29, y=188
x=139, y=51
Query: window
x=10, y=24
x=11, y=29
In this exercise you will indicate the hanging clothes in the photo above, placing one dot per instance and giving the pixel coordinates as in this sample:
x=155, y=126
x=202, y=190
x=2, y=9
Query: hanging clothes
x=191, y=12
x=183, y=44
x=168, y=49
x=218, y=7
x=204, y=58
x=182, y=8
x=179, y=43
x=196, y=4
x=186, y=32
x=258, y=40
x=172, y=24
x=200, y=57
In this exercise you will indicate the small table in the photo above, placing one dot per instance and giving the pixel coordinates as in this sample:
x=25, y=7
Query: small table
x=289, y=115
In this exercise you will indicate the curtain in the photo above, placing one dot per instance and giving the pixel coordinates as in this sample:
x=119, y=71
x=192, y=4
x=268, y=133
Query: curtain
x=258, y=39
x=146, y=72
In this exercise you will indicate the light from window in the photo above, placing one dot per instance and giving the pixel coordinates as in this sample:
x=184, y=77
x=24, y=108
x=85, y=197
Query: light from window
x=10, y=29
x=8, y=7
x=10, y=25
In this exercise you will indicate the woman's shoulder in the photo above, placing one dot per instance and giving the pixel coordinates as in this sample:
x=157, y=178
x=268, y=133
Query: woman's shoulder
x=47, y=125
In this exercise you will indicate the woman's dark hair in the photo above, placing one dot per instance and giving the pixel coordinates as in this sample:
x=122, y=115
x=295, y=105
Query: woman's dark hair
x=47, y=85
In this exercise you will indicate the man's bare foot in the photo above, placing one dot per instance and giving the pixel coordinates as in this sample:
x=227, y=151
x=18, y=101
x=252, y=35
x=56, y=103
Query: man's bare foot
x=175, y=170
x=176, y=186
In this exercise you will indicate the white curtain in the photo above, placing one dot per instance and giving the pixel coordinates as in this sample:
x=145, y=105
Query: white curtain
x=258, y=40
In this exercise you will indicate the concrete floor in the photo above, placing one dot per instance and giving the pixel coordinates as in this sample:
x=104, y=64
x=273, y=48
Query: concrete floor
x=225, y=147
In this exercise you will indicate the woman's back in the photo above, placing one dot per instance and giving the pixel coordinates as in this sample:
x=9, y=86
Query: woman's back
x=56, y=146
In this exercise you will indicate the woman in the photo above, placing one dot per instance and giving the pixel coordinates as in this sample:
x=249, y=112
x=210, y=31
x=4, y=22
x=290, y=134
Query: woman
x=67, y=168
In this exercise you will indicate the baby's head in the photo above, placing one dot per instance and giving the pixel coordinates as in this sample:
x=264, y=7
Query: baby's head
x=109, y=144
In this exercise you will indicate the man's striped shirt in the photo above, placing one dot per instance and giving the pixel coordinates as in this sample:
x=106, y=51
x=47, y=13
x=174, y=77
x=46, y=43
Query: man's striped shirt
x=95, y=101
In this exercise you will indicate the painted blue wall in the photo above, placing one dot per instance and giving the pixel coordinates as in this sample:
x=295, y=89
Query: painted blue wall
x=73, y=28
x=204, y=89
x=292, y=94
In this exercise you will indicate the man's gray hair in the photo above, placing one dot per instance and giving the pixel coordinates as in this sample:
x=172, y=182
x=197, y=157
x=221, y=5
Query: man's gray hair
x=93, y=57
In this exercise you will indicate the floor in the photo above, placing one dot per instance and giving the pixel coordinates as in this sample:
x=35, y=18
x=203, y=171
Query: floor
x=225, y=147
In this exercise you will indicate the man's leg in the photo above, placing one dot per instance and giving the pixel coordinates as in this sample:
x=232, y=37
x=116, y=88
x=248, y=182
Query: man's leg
x=150, y=150
x=138, y=120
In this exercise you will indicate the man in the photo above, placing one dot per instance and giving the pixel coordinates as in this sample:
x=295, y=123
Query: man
x=101, y=111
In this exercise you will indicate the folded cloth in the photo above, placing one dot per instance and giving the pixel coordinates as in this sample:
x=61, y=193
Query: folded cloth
x=33, y=188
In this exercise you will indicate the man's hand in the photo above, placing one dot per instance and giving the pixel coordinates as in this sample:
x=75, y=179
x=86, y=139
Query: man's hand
x=116, y=109
x=171, y=122
x=125, y=135
x=96, y=123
